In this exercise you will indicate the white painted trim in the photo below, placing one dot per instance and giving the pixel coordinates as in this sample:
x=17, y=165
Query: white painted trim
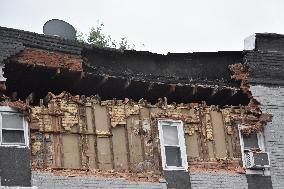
x=242, y=145
x=260, y=140
x=26, y=132
x=8, y=109
x=13, y=129
x=181, y=139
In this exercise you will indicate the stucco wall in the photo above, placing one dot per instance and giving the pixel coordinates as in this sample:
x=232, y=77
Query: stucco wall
x=272, y=101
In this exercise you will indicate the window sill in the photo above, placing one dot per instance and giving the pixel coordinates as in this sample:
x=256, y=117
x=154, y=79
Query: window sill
x=265, y=172
x=14, y=145
x=174, y=169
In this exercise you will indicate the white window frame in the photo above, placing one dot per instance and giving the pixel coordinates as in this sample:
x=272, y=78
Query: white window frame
x=261, y=145
x=6, y=110
x=181, y=145
x=260, y=141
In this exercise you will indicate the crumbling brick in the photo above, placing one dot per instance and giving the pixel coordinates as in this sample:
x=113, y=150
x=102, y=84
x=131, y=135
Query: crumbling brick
x=50, y=59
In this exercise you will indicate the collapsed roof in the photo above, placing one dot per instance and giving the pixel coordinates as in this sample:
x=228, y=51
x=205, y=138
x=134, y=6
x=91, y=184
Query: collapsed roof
x=36, y=64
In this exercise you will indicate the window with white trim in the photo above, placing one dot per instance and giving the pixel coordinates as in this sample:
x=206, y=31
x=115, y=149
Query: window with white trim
x=254, y=156
x=173, y=150
x=253, y=142
x=12, y=127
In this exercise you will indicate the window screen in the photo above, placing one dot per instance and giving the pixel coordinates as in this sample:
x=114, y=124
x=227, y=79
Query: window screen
x=170, y=134
x=12, y=121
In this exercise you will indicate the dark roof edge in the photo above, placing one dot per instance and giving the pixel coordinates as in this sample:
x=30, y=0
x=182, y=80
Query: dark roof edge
x=269, y=34
x=39, y=34
x=19, y=35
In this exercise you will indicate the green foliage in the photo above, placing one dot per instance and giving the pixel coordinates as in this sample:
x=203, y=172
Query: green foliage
x=97, y=37
x=80, y=36
x=123, y=44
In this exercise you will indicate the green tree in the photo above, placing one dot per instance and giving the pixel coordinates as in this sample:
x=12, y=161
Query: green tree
x=97, y=37
x=80, y=36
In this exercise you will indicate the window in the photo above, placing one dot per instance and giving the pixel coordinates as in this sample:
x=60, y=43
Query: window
x=254, y=156
x=251, y=141
x=172, y=142
x=13, y=127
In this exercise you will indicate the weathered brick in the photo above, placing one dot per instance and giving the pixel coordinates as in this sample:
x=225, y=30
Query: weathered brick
x=50, y=59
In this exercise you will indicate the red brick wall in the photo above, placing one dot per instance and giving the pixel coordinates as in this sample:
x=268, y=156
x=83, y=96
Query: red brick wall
x=50, y=59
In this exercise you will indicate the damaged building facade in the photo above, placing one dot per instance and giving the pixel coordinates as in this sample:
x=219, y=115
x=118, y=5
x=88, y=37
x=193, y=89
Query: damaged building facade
x=71, y=111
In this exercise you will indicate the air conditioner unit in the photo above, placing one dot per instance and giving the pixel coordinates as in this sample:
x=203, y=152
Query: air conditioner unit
x=256, y=160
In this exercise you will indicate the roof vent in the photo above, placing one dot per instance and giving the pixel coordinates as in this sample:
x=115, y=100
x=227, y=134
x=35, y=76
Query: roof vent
x=59, y=28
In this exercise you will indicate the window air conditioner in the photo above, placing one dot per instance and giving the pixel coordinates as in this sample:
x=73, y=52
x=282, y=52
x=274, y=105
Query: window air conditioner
x=257, y=160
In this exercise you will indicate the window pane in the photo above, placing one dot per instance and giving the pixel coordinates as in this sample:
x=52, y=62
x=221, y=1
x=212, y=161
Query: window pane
x=250, y=141
x=9, y=136
x=13, y=121
x=173, y=156
x=170, y=134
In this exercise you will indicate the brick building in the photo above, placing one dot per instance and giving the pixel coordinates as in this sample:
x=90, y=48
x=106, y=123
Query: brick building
x=75, y=115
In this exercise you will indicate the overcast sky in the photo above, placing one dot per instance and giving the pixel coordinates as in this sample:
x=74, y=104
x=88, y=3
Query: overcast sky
x=162, y=25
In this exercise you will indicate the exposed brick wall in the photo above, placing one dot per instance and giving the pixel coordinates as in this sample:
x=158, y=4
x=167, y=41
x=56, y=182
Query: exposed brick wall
x=48, y=180
x=218, y=181
x=50, y=59
x=272, y=101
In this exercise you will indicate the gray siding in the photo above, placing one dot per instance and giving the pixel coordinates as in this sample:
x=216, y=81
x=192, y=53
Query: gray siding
x=272, y=101
x=50, y=181
x=218, y=181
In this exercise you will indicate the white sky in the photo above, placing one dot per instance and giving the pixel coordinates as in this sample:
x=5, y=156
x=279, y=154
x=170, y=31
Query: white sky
x=162, y=25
